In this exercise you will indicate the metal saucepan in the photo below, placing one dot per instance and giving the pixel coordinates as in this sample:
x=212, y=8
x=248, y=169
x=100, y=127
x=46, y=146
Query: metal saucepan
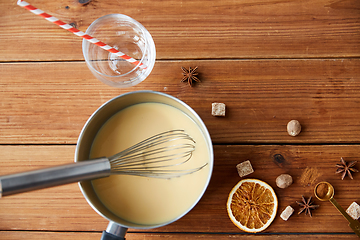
x=117, y=226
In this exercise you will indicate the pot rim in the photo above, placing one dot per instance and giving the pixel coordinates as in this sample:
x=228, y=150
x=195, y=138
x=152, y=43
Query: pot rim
x=194, y=117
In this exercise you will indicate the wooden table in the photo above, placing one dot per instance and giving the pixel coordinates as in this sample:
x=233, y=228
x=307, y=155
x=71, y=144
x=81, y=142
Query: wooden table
x=269, y=61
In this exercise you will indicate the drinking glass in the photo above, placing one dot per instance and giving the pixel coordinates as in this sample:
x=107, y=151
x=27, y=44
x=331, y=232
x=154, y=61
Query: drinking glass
x=127, y=36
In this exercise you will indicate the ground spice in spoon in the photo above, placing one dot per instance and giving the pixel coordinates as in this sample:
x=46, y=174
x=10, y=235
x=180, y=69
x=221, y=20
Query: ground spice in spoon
x=322, y=190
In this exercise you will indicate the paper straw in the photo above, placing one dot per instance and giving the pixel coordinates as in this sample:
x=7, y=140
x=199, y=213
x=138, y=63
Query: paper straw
x=79, y=33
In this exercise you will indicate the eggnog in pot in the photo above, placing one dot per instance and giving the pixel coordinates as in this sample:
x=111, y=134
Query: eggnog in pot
x=143, y=200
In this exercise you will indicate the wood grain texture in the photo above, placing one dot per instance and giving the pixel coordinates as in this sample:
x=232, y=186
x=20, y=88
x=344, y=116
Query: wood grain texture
x=269, y=61
x=14, y=235
x=193, y=29
x=50, y=102
x=64, y=209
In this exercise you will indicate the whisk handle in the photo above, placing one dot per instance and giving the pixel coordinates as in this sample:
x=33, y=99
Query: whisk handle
x=54, y=176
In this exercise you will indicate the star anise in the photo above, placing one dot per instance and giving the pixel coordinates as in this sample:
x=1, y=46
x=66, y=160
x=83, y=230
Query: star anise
x=306, y=206
x=190, y=75
x=345, y=168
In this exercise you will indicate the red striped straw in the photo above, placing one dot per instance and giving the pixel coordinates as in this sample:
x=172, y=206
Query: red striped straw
x=78, y=33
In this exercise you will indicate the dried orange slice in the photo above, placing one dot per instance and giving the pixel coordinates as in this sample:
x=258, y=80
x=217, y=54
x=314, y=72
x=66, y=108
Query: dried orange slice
x=252, y=205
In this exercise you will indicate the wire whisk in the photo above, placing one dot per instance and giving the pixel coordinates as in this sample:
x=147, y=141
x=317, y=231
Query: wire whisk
x=158, y=156
x=163, y=155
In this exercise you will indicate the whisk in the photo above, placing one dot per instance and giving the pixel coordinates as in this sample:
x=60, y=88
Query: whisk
x=159, y=156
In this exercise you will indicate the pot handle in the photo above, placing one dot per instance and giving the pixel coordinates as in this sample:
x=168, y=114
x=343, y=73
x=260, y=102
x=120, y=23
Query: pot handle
x=114, y=232
x=108, y=236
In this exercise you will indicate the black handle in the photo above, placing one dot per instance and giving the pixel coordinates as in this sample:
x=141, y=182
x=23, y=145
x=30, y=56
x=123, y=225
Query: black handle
x=108, y=236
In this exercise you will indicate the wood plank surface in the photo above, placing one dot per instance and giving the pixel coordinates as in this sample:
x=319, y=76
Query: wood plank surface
x=269, y=61
x=192, y=29
x=64, y=209
x=50, y=102
x=153, y=236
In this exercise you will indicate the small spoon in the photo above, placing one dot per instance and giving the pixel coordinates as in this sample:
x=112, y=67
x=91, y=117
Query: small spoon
x=324, y=191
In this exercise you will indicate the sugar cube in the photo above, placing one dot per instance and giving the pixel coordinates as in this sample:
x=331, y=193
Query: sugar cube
x=218, y=109
x=244, y=168
x=354, y=210
x=287, y=213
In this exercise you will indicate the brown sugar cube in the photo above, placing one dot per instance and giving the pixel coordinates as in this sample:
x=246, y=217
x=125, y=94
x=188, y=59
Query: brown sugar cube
x=354, y=210
x=287, y=213
x=218, y=109
x=244, y=168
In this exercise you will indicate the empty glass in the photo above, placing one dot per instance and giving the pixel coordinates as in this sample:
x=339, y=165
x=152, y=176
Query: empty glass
x=127, y=36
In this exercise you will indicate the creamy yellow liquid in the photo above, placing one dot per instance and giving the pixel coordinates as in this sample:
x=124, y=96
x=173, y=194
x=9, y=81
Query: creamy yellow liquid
x=143, y=200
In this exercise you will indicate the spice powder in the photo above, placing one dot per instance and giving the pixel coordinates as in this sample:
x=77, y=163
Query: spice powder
x=322, y=190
